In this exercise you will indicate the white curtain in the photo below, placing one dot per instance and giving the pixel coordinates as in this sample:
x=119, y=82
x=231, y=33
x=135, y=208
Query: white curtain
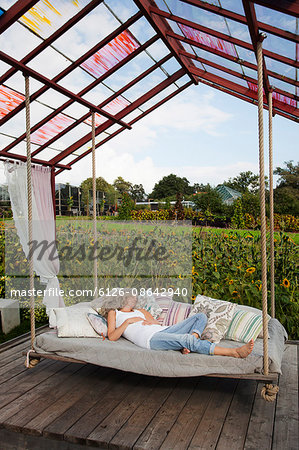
x=43, y=225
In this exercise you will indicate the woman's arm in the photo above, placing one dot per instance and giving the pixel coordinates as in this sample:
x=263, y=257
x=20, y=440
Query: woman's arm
x=115, y=333
x=148, y=317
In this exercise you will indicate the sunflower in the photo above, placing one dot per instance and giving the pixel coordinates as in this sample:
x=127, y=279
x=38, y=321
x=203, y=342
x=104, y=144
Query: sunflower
x=250, y=270
x=285, y=283
x=230, y=281
x=235, y=294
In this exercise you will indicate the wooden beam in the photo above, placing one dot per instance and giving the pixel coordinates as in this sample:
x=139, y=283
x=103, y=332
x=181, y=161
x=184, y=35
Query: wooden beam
x=14, y=13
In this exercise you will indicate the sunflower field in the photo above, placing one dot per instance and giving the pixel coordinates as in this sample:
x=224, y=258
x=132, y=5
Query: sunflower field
x=227, y=266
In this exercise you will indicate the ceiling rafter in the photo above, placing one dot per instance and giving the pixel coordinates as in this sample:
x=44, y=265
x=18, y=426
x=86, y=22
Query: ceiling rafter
x=106, y=102
x=14, y=13
x=76, y=63
x=141, y=116
x=256, y=36
x=58, y=33
x=81, y=93
x=246, y=45
x=284, y=6
x=161, y=27
x=236, y=74
x=144, y=98
x=51, y=84
x=242, y=19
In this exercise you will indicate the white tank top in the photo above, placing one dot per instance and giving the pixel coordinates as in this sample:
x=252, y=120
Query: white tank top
x=136, y=332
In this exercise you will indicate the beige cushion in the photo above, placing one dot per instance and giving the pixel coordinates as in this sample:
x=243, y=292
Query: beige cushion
x=72, y=322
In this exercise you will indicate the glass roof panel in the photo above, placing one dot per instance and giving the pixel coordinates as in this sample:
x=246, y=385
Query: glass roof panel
x=275, y=18
x=114, y=107
x=280, y=46
x=276, y=96
x=232, y=5
x=208, y=40
x=281, y=85
x=281, y=68
x=227, y=76
x=9, y=100
x=107, y=57
x=51, y=128
x=46, y=16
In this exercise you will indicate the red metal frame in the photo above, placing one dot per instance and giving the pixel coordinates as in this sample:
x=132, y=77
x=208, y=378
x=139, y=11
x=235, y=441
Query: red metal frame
x=162, y=27
x=145, y=113
x=81, y=93
x=144, y=98
x=57, y=87
x=158, y=21
x=14, y=13
x=58, y=33
x=76, y=63
x=105, y=102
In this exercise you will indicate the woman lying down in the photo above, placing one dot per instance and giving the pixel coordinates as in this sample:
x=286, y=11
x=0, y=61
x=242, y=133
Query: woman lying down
x=139, y=327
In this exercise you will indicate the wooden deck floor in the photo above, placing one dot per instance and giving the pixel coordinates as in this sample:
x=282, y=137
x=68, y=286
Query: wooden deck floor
x=65, y=406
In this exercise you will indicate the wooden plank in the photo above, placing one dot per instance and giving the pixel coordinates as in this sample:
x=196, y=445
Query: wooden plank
x=210, y=426
x=23, y=338
x=286, y=419
x=105, y=431
x=25, y=398
x=12, y=369
x=18, y=441
x=55, y=357
x=106, y=403
x=234, y=430
x=260, y=429
x=73, y=390
x=25, y=381
x=67, y=419
x=133, y=428
x=181, y=433
x=12, y=353
x=272, y=376
x=41, y=397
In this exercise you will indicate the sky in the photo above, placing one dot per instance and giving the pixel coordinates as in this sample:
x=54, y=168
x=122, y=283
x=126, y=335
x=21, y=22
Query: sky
x=202, y=134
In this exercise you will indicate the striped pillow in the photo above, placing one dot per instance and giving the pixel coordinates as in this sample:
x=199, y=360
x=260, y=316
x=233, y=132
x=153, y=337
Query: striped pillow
x=244, y=326
x=164, y=303
x=177, y=312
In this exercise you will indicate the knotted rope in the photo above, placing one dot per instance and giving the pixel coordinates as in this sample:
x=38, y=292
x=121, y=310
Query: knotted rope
x=272, y=269
x=94, y=194
x=29, y=201
x=269, y=392
x=262, y=200
x=30, y=363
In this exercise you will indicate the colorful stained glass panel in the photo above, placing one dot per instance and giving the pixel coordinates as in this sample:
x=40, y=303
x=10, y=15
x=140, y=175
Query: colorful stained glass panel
x=9, y=100
x=276, y=96
x=51, y=129
x=47, y=16
x=111, y=54
x=209, y=41
x=114, y=107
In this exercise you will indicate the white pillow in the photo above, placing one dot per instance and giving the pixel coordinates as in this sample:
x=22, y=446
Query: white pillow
x=52, y=315
x=72, y=322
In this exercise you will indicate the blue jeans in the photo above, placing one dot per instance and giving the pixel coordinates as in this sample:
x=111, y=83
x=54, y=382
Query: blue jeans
x=179, y=336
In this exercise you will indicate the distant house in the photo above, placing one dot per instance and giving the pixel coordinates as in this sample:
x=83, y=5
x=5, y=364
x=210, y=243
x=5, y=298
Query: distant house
x=228, y=195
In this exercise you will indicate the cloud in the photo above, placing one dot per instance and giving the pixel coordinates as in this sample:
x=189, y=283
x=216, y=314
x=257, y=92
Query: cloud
x=111, y=164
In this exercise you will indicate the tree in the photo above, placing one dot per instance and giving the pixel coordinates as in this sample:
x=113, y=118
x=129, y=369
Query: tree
x=209, y=201
x=137, y=192
x=169, y=186
x=244, y=182
x=286, y=194
x=101, y=185
x=121, y=185
x=251, y=203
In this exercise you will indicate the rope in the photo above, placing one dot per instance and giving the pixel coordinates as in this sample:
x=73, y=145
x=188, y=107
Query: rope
x=94, y=194
x=29, y=202
x=269, y=392
x=272, y=269
x=262, y=200
x=30, y=363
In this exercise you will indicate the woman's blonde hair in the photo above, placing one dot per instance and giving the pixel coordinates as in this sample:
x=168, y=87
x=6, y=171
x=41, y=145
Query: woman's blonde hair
x=108, y=303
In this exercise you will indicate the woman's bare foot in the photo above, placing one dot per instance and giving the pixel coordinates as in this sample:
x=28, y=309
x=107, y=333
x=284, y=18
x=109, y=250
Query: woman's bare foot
x=245, y=350
x=185, y=351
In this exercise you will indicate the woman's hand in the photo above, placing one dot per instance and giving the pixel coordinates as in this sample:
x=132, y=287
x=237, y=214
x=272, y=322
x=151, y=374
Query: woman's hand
x=133, y=320
x=148, y=322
